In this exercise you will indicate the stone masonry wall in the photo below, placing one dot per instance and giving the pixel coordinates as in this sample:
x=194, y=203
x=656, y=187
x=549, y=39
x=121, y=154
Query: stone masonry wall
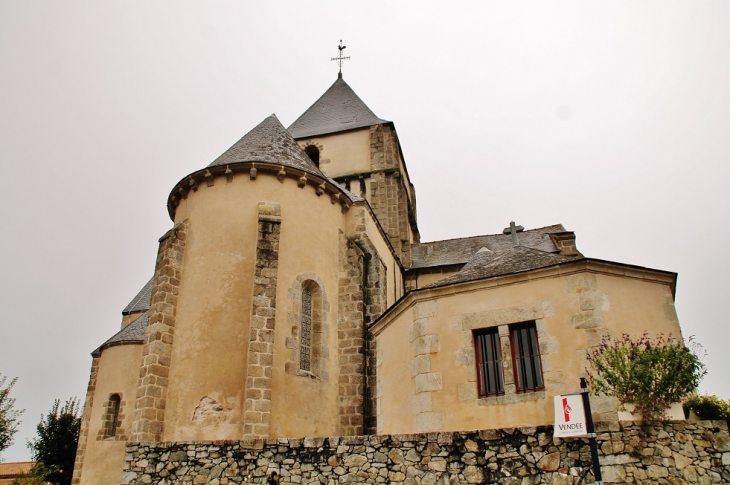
x=350, y=339
x=675, y=453
x=149, y=413
x=86, y=417
x=263, y=312
x=388, y=193
x=362, y=299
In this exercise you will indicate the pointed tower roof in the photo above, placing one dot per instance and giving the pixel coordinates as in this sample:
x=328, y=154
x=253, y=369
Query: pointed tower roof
x=268, y=142
x=338, y=109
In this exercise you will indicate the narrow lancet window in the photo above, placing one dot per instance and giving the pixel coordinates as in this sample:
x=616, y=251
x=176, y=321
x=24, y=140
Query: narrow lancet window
x=305, y=338
x=114, y=404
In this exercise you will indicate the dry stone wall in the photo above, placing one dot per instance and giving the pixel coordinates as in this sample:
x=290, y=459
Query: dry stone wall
x=675, y=453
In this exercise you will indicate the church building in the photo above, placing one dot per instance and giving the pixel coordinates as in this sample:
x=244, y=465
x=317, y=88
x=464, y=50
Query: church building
x=293, y=297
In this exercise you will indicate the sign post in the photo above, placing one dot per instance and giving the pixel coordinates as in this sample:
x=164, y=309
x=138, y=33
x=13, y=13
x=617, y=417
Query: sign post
x=573, y=419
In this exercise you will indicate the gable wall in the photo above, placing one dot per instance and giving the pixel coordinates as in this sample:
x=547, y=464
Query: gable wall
x=426, y=353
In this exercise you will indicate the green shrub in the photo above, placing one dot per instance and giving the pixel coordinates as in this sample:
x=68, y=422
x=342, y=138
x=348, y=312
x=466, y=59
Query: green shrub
x=708, y=407
x=650, y=373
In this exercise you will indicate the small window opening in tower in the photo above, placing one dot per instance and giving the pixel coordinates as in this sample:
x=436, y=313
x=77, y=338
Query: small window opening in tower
x=114, y=403
x=313, y=153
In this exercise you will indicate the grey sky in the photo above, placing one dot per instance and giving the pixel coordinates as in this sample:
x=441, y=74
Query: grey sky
x=612, y=118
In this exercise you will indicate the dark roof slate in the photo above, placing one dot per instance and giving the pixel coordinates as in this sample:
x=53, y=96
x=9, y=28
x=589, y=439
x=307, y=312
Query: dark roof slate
x=141, y=301
x=338, y=109
x=268, y=142
x=517, y=259
x=132, y=333
x=461, y=251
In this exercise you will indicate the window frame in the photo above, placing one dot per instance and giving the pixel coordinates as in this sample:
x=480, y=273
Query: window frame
x=526, y=357
x=491, y=339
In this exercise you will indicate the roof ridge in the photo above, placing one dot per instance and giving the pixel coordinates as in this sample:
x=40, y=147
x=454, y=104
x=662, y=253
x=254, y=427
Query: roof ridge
x=488, y=235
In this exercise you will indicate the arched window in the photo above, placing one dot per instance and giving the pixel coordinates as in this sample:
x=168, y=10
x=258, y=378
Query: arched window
x=307, y=352
x=305, y=339
x=115, y=402
x=313, y=153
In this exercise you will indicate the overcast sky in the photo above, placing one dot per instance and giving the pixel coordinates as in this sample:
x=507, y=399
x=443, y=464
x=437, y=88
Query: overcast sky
x=612, y=118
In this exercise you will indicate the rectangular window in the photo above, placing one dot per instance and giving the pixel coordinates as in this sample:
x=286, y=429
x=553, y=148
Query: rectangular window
x=488, y=353
x=526, y=357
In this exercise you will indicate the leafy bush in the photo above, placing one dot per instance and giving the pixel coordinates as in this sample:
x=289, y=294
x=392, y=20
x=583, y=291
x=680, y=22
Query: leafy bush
x=650, y=373
x=8, y=414
x=708, y=407
x=58, y=437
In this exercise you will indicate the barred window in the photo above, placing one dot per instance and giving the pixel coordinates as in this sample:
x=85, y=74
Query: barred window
x=488, y=352
x=305, y=339
x=526, y=357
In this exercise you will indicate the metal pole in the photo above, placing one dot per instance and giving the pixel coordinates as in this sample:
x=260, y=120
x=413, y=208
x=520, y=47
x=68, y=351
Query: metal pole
x=591, y=430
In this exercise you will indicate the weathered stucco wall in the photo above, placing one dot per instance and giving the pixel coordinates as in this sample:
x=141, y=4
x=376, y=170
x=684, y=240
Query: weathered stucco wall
x=343, y=153
x=426, y=350
x=210, y=358
x=675, y=453
x=104, y=454
x=210, y=383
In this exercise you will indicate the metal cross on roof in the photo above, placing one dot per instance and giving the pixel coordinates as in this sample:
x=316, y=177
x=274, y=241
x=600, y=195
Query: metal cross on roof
x=513, y=229
x=340, y=57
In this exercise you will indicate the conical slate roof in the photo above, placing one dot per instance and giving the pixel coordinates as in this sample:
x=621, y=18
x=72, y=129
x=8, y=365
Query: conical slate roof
x=268, y=142
x=339, y=109
x=141, y=301
x=132, y=333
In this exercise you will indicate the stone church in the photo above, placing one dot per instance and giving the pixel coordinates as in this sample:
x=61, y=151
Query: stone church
x=293, y=297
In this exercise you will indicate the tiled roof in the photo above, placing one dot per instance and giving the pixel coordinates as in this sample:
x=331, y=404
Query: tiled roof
x=268, y=142
x=338, y=109
x=141, y=301
x=461, y=251
x=132, y=333
x=15, y=469
x=517, y=259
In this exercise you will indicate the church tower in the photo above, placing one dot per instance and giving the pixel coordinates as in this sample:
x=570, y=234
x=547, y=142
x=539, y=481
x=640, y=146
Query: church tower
x=361, y=152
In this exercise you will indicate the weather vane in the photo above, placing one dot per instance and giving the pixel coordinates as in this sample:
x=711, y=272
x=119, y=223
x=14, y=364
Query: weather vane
x=340, y=57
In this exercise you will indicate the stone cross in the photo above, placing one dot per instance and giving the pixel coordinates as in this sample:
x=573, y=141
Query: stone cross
x=340, y=58
x=513, y=229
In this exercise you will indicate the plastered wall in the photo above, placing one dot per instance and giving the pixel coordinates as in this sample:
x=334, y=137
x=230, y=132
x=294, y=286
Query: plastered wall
x=427, y=374
x=210, y=361
x=104, y=454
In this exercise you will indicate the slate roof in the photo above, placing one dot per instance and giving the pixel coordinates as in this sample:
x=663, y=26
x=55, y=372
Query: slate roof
x=462, y=250
x=141, y=301
x=517, y=259
x=338, y=109
x=132, y=333
x=268, y=142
